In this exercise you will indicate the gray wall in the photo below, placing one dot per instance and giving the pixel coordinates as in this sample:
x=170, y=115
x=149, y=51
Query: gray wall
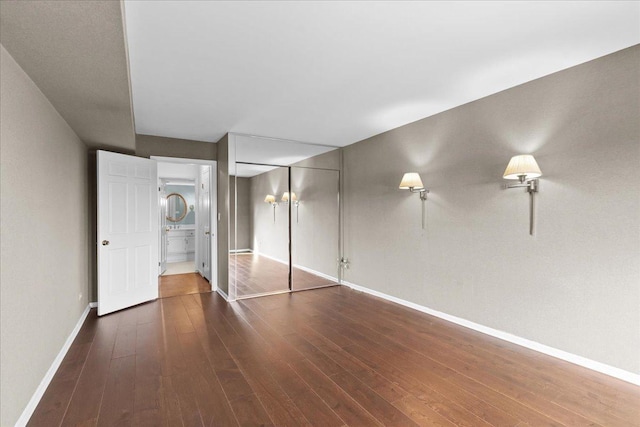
x=45, y=227
x=315, y=234
x=270, y=238
x=223, y=211
x=315, y=229
x=575, y=285
x=149, y=145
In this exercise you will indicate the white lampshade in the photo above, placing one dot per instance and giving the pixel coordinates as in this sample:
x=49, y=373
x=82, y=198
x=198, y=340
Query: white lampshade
x=270, y=199
x=411, y=180
x=521, y=165
x=285, y=196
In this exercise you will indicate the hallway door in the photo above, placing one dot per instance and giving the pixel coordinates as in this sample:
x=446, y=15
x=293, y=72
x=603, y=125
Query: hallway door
x=127, y=231
x=163, y=229
x=205, y=222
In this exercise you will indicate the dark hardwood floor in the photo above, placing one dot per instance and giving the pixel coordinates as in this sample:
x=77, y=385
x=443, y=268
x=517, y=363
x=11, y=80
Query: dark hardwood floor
x=327, y=357
x=255, y=274
x=182, y=284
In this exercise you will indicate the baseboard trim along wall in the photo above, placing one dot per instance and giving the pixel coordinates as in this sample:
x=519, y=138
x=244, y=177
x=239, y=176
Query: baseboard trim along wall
x=37, y=395
x=317, y=273
x=303, y=268
x=542, y=348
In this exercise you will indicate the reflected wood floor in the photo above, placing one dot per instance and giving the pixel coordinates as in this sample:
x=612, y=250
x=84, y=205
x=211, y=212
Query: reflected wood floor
x=182, y=284
x=255, y=274
x=327, y=357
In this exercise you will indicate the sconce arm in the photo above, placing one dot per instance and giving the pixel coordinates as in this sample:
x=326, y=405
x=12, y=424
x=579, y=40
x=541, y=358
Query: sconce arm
x=531, y=185
x=423, y=192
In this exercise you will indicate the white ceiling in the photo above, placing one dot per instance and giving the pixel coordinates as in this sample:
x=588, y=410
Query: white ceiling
x=339, y=72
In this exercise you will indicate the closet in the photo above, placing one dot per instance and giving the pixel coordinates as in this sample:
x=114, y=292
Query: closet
x=284, y=216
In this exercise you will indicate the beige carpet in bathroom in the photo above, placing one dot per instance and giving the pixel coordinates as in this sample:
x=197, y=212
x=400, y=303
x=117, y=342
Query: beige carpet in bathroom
x=180, y=268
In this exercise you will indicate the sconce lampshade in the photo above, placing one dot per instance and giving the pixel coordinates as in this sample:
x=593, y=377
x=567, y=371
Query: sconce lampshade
x=411, y=180
x=270, y=199
x=523, y=165
x=285, y=196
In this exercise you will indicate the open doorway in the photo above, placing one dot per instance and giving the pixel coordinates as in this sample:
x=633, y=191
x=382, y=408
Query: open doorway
x=179, y=239
x=187, y=219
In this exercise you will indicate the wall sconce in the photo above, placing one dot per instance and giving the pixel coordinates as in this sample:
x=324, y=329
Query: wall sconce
x=294, y=198
x=411, y=181
x=271, y=199
x=525, y=169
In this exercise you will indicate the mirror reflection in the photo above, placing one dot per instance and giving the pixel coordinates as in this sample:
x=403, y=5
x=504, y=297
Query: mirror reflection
x=259, y=261
x=284, y=220
x=176, y=207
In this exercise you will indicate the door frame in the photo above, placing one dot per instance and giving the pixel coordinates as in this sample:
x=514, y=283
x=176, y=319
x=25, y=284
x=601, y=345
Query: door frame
x=213, y=211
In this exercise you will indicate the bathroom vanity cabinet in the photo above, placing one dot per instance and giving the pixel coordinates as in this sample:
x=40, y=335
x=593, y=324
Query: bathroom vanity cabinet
x=181, y=245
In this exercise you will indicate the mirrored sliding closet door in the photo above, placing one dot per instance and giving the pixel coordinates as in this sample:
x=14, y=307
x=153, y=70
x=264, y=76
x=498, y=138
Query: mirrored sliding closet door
x=284, y=216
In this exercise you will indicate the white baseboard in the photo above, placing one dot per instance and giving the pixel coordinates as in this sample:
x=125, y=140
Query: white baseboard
x=316, y=273
x=240, y=251
x=303, y=268
x=533, y=345
x=272, y=258
x=35, y=399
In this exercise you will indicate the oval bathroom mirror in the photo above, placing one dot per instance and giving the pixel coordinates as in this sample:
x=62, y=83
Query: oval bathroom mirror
x=176, y=207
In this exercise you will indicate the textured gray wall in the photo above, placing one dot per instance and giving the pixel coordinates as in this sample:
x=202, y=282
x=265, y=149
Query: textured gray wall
x=315, y=234
x=149, y=145
x=270, y=238
x=575, y=285
x=223, y=212
x=45, y=227
x=315, y=231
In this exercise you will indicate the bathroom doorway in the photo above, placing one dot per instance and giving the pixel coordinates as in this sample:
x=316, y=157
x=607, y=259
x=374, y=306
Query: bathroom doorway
x=180, y=228
x=187, y=211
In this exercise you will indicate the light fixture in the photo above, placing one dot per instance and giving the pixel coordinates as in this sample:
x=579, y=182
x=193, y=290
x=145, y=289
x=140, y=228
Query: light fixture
x=271, y=199
x=525, y=169
x=411, y=181
x=294, y=198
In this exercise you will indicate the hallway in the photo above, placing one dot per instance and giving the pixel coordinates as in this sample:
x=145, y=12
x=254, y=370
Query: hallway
x=182, y=284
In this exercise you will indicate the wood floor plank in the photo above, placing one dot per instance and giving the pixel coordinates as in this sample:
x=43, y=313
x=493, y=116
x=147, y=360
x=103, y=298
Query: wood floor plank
x=316, y=358
x=370, y=338
x=267, y=351
x=84, y=405
x=337, y=399
x=118, y=402
x=53, y=404
x=171, y=413
x=211, y=400
x=182, y=284
x=523, y=365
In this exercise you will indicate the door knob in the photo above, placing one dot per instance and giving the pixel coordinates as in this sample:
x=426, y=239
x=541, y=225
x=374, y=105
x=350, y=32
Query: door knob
x=105, y=242
x=207, y=233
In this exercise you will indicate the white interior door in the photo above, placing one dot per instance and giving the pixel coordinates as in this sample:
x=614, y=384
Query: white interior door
x=206, y=235
x=127, y=231
x=204, y=229
x=162, y=202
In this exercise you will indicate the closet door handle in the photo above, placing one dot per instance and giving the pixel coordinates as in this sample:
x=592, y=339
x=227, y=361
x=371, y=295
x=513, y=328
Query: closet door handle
x=105, y=242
